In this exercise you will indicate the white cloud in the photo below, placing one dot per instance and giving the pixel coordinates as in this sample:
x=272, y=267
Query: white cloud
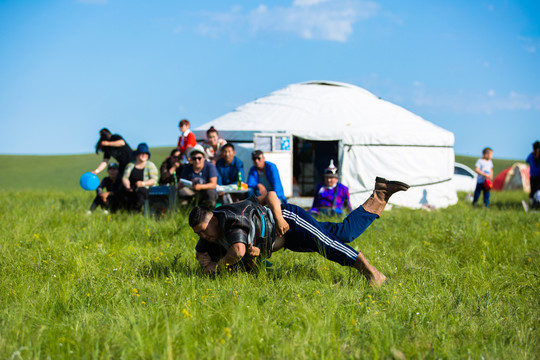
x=457, y=101
x=331, y=20
x=529, y=44
x=308, y=2
x=93, y=2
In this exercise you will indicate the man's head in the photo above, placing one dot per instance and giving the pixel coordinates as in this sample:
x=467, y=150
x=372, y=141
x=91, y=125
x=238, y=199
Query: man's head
x=487, y=153
x=204, y=223
x=112, y=170
x=536, y=147
x=228, y=153
x=197, y=157
x=331, y=175
x=258, y=159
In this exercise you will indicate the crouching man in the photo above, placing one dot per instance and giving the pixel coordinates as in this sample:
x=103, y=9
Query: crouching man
x=246, y=230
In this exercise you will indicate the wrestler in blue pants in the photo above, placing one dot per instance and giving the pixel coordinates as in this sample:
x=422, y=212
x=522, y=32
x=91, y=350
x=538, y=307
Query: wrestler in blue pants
x=327, y=238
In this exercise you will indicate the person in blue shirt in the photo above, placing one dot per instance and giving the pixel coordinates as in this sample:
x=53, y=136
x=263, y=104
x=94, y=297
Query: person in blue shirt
x=264, y=176
x=228, y=166
x=534, y=167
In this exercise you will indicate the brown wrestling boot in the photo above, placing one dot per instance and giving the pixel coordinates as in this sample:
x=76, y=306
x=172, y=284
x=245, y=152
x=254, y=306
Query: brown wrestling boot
x=383, y=190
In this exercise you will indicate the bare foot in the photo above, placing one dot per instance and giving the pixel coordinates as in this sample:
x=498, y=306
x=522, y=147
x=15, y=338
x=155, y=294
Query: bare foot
x=370, y=272
x=378, y=279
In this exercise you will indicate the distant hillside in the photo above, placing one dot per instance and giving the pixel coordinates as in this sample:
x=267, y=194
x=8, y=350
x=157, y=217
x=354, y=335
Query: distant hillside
x=56, y=172
x=498, y=164
x=53, y=172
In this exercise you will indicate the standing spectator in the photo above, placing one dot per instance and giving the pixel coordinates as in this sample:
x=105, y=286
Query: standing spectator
x=170, y=169
x=115, y=146
x=213, y=145
x=138, y=177
x=109, y=192
x=264, y=176
x=484, y=169
x=534, y=167
x=331, y=197
x=187, y=139
x=229, y=166
x=203, y=176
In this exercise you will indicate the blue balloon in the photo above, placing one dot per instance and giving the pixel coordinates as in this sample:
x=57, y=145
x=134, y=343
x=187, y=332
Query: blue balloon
x=89, y=181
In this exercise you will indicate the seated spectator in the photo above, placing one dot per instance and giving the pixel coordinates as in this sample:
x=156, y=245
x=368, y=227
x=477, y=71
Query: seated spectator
x=187, y=139
x=229, y=166
x=213, y=145
x=171, y=169
x=203, y=177
x=138, y=177
x=109, y=192
x=264, y=176
x=331, y=197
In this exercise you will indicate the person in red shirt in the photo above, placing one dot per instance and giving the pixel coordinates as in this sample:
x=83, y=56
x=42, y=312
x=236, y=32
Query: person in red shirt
x=187, y=139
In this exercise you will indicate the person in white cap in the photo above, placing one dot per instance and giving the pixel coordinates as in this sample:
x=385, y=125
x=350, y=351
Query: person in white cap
x=202, y=176
x=331, y=197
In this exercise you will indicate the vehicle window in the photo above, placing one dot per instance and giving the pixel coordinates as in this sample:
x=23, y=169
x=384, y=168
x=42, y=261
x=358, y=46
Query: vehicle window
x=460, y=171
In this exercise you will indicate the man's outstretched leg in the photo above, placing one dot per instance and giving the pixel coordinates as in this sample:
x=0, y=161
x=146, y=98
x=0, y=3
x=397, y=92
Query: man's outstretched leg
x=360, y=219
x=369, y=271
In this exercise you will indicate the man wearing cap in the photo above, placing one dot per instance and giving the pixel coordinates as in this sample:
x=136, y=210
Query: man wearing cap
x=203, y=177
x=331, y=197
x=264, y=176
x=246, y=229
x=109, y=191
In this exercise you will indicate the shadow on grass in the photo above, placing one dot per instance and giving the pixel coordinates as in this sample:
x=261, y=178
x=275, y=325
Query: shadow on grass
x=507, y=205
x=163, y=269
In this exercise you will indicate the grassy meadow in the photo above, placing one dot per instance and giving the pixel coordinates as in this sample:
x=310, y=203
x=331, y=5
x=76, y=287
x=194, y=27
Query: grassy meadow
x=463, y=283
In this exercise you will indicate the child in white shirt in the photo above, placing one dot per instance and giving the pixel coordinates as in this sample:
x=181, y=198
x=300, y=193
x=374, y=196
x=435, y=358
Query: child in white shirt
x=484, y=169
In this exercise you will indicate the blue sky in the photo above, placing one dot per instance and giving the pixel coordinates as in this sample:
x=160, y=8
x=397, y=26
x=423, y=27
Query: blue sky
x=69, y=68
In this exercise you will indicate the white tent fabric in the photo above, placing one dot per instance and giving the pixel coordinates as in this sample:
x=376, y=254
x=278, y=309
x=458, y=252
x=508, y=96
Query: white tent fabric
x=377, y=138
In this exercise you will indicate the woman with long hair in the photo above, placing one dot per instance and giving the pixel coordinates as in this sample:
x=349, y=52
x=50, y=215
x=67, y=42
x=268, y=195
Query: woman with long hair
x=113, y=145
x=171, y=168
x=213, y=144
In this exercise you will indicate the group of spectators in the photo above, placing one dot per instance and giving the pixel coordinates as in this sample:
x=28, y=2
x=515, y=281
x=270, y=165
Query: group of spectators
x=196, y=170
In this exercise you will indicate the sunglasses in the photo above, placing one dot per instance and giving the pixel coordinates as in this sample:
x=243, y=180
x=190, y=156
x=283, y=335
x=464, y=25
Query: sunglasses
x=197, y=158
x=256, y=158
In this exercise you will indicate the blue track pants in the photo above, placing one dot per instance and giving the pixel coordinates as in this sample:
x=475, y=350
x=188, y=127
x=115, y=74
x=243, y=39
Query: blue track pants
x=327, y=238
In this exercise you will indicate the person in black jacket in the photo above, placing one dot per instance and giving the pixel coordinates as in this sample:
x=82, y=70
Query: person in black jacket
x=109, y=192
x=113, y=146
x=171, y=168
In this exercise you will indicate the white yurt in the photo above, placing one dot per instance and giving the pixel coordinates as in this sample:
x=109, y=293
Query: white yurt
x=375, y=137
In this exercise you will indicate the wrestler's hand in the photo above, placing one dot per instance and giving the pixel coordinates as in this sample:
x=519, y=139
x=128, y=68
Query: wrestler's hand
x=253, y=251
x=282, y=226
x=210, y=268
x=204, y=259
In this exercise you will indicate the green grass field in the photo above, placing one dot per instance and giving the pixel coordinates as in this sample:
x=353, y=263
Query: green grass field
x=464, y=283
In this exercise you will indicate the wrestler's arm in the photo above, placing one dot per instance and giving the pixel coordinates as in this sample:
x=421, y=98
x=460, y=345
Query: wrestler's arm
x=234, y=254
x=273, y=202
